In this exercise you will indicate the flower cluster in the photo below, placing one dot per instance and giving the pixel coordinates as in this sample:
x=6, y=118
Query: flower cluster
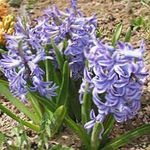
x=6, y=27
x=26, y=48
x=21, y=64
x=71, y=26
x=115, y=77
x=4, y=9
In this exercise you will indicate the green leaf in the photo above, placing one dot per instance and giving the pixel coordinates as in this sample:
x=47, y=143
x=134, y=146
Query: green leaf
x=13, y=147
x=44, y=127
x=63, y=92
x=145, y=3
x=2, y=139
x=127, y=138
x=20, y=105
x=65, y=44
x=18, y=119
x=4, y=82
x=95, y=141
x=108, y=125
x=49, y=67
x=2, y=51
x=57, y=119
x=47, y=70
x=98, y=33
x=60, y=147
x=86, y=106
x=51, y=73
x=128, y=35
x=68, y=121
x=46, y=103
x=117, y=34
x=74, y=106
x=138, y=22
x=80, y=131
x=35, y=106
x=59, y=56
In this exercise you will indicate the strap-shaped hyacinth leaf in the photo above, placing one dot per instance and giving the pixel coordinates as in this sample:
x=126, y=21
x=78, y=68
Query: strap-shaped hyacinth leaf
x=80, y=131
x=52, y=121
x=44, y=127
x=4, y=90
x=59, y=56
x=63, y=92
x=18, y=119
x=108, y=125
x=48, y=67
x=74, y=104
x=60, y=147
x=86, y=106
x=128, y=34
x=2, y=51
x=57, y=120
x=35, y=105
x=95, y=136
x=128, y=137
x=2, y=139
x=50, y=71
x=117, y=34
x=65, y=44
x=49, y=104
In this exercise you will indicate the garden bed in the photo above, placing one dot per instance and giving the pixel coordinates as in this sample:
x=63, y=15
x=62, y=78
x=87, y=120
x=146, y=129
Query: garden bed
x=109, y=14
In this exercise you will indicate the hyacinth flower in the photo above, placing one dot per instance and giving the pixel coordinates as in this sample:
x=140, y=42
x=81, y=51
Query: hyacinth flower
x=118, y=74
x=20, y=64
x=74, y=4
x=4, y=9
x=6, y=27
x=71, y=26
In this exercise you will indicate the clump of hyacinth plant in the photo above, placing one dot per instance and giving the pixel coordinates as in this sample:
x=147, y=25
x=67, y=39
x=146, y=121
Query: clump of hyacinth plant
x=67, y=74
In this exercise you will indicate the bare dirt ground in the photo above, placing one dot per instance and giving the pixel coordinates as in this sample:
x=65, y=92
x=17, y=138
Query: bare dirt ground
x=109, y=14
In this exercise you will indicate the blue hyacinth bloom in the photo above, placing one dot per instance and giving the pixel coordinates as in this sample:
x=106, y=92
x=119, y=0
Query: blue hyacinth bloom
x=117, y=73
x=21, y=64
